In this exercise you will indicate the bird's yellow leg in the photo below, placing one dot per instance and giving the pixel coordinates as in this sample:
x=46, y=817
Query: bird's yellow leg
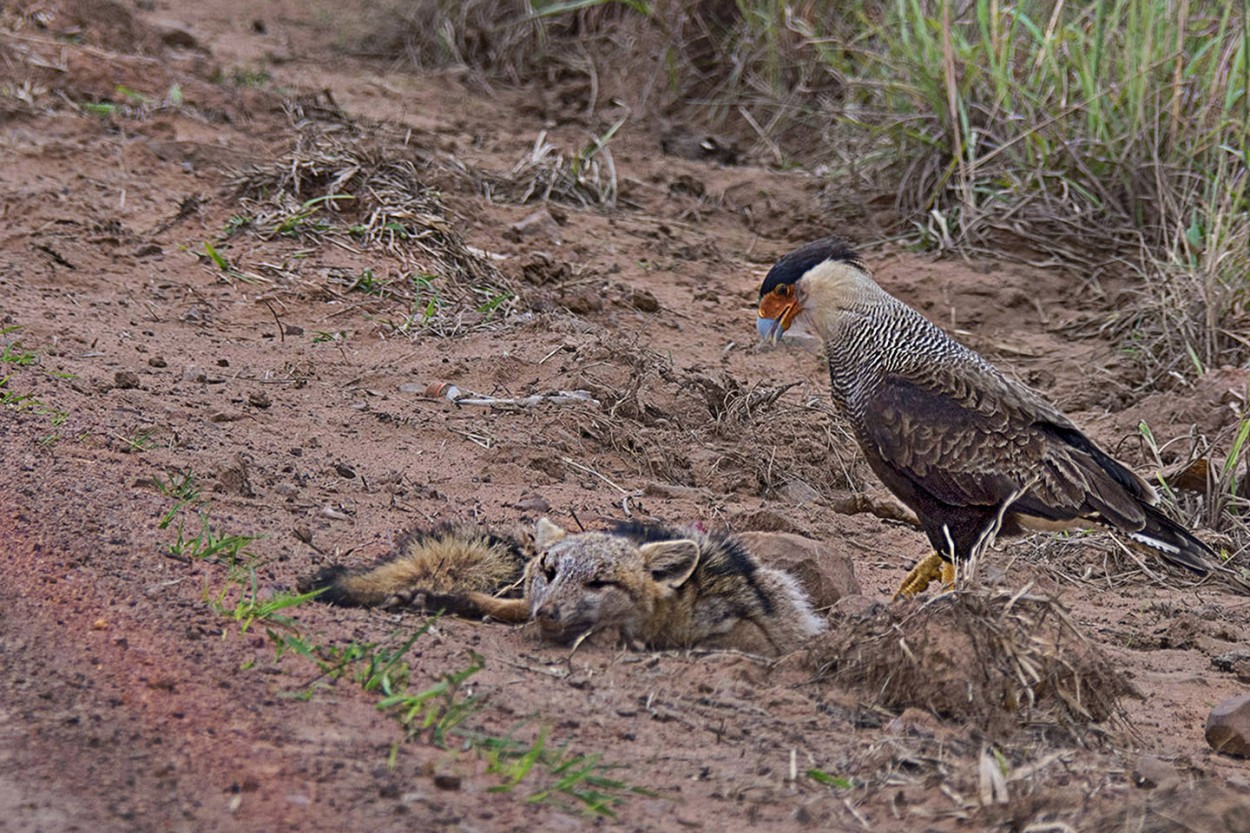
x=923, y=574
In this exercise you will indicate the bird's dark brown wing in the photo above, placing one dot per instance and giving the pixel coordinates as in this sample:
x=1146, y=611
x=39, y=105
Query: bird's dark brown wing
x=972, y=438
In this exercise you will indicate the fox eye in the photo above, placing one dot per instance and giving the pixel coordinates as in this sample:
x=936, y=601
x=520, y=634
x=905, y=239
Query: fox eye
x=549, y=571
x=598, y=584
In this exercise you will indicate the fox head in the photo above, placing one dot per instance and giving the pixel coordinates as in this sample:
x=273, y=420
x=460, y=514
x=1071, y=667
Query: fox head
x=593, y=581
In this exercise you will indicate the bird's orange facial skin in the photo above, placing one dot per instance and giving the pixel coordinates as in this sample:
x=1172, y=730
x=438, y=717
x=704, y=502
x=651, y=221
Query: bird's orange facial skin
x=780, y=305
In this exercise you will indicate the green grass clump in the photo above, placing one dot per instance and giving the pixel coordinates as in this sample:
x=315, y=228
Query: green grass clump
x=584, y=778
x=1078, y=133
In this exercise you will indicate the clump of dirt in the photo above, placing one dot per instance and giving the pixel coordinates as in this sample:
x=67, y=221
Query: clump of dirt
x=996, y=660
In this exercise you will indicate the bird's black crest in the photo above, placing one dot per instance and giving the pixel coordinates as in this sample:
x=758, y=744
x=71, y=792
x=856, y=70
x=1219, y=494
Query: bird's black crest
x=795, y=265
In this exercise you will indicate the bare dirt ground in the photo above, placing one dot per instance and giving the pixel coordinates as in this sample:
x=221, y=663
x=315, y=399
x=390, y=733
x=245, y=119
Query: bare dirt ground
x=284, y=381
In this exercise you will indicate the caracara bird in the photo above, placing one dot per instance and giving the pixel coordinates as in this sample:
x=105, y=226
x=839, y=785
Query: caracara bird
x=972, y=452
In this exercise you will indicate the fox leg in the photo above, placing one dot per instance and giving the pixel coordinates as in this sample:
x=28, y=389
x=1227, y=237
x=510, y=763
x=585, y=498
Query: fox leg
x=474, y=604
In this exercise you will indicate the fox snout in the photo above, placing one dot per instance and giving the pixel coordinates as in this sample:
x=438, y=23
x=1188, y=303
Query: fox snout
x=556, y=622
x=548, y=613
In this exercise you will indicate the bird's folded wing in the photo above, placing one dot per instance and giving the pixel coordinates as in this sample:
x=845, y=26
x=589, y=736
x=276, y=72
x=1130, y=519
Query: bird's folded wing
x=974, y=439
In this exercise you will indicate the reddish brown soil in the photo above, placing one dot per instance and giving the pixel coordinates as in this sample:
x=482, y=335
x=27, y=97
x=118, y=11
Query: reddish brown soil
x=128, y=703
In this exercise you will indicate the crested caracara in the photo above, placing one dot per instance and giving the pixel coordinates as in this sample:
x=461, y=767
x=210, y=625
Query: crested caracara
x=972, y=452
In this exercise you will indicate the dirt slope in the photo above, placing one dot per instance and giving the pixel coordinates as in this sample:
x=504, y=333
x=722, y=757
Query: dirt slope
x=294, y=388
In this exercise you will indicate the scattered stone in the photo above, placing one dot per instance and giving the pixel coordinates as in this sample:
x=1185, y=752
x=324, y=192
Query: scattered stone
x=293, y=330
x=688, y=185
x=643, y=301
x=915, y=722
x=680, y=141
x=157, y=361
x=1153, y=773
x=191, y=373
x=857, y=607
x=583, y=301
x=533, y=503
x=539, y=223
x=175, y=35
x=233, y=478
x=541, y=269
x=126, y=380
x=826, y=574
x=444, y=781
x=764, y=519
x=149, y=250
x=345, y=470
x=1228, y=727
x=799, y=492
x=1236, y=662
x=225, y=416
x=259, y=399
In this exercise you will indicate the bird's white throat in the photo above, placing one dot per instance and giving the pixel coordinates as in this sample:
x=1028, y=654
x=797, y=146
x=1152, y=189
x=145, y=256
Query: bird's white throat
x=833, y=289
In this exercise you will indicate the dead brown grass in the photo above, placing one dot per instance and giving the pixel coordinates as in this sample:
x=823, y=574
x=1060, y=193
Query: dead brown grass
x=1000, y=661
x=345, y=187
x=732, y=67
x=585, y=178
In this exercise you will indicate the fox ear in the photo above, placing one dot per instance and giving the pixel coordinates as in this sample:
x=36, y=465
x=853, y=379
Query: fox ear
x=547, y=533
x=671, y=562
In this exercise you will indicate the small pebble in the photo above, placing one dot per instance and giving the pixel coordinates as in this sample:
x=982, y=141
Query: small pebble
x=447, y=782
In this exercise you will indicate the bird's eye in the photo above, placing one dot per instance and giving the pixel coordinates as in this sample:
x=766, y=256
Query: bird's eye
x=598, y=584
x=783, y=290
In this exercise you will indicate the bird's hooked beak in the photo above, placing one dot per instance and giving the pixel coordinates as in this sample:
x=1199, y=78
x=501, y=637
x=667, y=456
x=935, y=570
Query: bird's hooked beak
x=777, y=312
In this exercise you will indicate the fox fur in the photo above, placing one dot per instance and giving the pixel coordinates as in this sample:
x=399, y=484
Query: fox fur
x=449, y=559
x=656, y=587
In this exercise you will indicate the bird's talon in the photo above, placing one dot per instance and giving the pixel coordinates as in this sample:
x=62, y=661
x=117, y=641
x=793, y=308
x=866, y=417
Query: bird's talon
x=923, y=574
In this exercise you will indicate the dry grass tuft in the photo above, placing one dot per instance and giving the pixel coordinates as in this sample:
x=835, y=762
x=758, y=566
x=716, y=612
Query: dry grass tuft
x=339, y=186
x=747, y=69
x=999, y=661
x=1096, y=557
x=586, y=178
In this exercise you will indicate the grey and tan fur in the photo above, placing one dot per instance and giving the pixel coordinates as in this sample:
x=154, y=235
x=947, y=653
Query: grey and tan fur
x=453, y=558
x=655, y=587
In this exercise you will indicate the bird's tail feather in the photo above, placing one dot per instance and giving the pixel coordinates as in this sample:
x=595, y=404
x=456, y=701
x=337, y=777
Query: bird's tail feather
x=1175, y=543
